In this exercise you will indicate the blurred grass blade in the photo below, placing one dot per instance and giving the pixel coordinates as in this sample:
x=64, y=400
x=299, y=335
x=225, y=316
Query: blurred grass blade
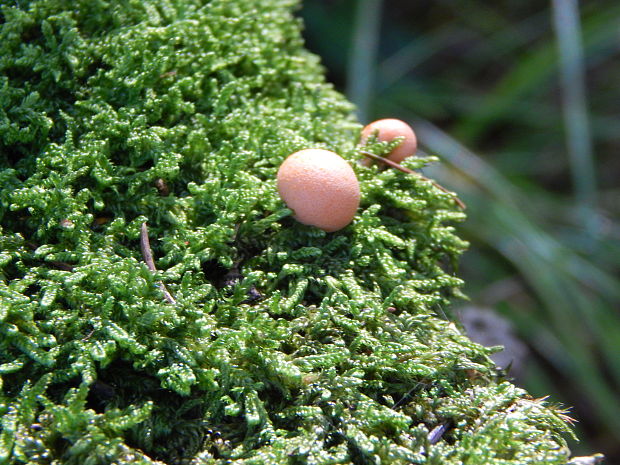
x=397, y=65
x=504, y=41
x=474, y=173
x=578, y=139
x=559, y=277
x=361, y=71
x=530, y=71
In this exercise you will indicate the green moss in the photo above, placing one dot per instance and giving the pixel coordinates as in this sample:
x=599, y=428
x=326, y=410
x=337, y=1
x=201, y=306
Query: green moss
x=286, y=344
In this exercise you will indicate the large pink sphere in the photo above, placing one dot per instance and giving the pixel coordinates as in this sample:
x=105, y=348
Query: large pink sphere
x=320, y=187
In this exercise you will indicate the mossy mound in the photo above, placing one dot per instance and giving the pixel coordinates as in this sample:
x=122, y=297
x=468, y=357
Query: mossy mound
x=286, y=344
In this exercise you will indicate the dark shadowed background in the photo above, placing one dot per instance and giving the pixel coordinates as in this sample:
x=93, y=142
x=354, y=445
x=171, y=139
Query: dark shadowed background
x=521, y=100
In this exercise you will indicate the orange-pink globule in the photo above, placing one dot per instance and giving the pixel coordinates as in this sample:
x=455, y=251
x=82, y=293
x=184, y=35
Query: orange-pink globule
x=389, y=129
x=320, y=187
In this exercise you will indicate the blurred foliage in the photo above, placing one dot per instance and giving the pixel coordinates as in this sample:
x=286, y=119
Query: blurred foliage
x=544, y=254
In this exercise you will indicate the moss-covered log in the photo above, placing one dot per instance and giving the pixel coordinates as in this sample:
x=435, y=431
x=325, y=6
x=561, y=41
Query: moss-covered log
x=283, y=343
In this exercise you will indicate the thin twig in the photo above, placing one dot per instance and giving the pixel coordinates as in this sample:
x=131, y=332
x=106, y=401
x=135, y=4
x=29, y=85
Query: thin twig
x=408, y=171
x=437, y=432
x=403, y=398
x=62, y=266
x=87, y=337
x=147, y=254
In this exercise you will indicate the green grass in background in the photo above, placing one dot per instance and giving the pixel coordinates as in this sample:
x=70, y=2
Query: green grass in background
x=520, y=101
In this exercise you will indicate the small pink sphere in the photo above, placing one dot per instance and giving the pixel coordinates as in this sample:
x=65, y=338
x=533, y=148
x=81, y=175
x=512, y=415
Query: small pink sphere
x=388, y=130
